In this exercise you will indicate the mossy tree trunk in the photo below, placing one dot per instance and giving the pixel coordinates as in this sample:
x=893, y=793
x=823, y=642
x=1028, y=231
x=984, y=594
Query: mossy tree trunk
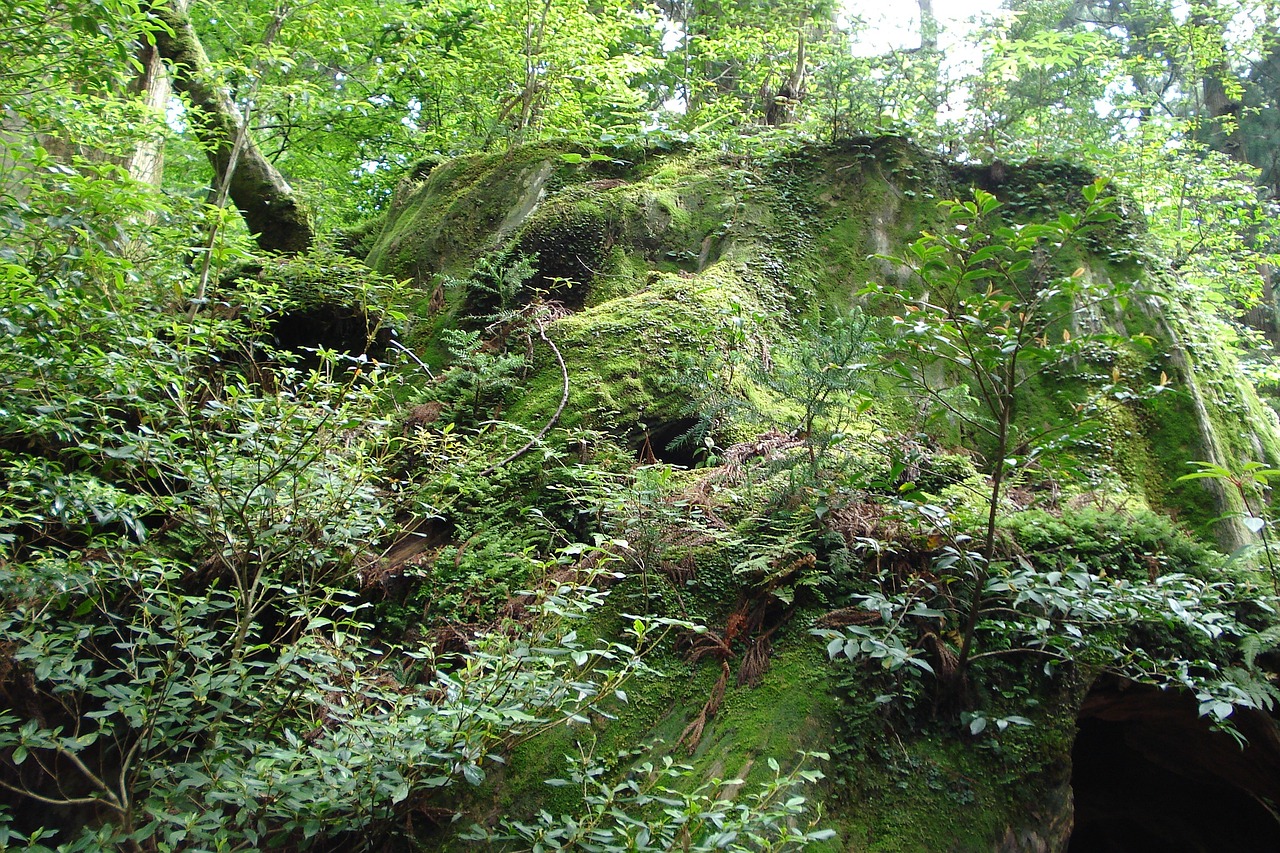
x=257, y=188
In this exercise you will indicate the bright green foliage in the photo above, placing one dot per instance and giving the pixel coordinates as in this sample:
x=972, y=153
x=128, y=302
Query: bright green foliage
x=475, y=380
x=1251, y=482
x=994, y=294
x=211, y=636
x=65, y=76
x=187, y=730
x=655, y=807
x=355, y=92
x=814, y=386
x=187, y=518
x=823, y=376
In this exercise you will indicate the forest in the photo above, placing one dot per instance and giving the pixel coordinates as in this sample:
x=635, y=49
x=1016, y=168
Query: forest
x=535, y=425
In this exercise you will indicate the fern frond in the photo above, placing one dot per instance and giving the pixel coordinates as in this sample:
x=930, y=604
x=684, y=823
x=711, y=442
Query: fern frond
x=1252, y=688
x=1255, y=644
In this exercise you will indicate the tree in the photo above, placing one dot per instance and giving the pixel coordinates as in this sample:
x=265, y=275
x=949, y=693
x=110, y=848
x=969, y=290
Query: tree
x=68, y=86
x=995, y=311
x=744, y=63
x=240, y=170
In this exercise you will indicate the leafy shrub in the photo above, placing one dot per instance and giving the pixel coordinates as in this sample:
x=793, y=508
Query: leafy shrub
x=183, y=661
x=654, y=808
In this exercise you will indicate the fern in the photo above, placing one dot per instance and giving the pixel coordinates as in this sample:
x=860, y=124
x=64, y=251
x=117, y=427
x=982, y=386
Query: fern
x=1251, y=688
x=1255, y=644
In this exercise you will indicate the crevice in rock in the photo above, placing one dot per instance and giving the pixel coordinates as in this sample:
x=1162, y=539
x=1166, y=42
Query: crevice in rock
x=341, y=328
x=669, y=443
x=1150, y=774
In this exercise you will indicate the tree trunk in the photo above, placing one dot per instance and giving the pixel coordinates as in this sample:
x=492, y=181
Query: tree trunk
x=931, y=59
x=780, y=107
x=928, y=27
x=1224, y=109
x=146, y=163
x=257, y=188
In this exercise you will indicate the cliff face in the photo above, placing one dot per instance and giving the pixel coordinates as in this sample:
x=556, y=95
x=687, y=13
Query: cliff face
x=658, y=258
x=663, y=301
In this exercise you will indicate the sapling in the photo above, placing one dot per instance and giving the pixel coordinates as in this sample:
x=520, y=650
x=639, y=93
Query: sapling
x=994, y=308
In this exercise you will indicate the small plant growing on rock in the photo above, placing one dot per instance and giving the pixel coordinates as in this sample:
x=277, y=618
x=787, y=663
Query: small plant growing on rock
x=478, y=378
x=994, y=309
x=819, y=375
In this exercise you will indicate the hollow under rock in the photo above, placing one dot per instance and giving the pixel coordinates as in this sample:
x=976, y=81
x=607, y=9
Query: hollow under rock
x=1150, y=774
x=341, y=328
x=669, y=442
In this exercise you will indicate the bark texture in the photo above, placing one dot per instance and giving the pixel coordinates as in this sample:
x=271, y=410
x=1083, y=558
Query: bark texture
x=255, y=186
x=146, y=163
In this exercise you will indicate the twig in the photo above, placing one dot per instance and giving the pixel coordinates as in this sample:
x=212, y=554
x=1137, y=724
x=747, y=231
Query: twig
x=411, y=355
x=564, y=401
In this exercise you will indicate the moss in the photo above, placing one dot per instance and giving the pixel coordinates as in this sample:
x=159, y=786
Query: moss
x=935, y=794
x=442, y=221
x=358, y=240
x=656, y=711
x=933, y=786
x=625, y=356
x=569, y=239
x=786, y=713
x=1136, y=544
x=695, y=261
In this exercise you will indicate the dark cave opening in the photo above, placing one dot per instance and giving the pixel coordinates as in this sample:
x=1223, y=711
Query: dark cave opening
x=671, y=443
x=341, y=328
x=1150, y=774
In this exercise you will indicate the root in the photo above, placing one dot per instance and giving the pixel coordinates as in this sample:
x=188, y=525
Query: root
x=692, y=734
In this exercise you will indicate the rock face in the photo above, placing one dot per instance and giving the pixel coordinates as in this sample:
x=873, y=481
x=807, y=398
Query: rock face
x=655, y=263
x=661, y=257
x=1047, y=827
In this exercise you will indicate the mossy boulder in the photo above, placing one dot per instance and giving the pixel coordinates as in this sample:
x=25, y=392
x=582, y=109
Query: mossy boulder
x=665, y=292
x=661, y=262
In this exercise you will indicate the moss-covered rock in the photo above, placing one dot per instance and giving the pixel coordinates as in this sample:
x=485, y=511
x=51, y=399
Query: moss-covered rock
x=669, y=290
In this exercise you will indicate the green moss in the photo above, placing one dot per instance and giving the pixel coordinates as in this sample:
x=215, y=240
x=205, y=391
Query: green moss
x=358, y=240
x=569, y=239
x=786, y=713
x=935, y=794
x=1135, y=544
x=934, y=786
x=694, y=260
x=625, y=356
x=442, y=221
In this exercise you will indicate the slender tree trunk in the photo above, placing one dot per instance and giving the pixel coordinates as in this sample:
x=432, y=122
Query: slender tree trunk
x=257, y=188
x=928, y=27
x=146, y=163
x=780, y=107
x=1223, y=109
x=931, y=59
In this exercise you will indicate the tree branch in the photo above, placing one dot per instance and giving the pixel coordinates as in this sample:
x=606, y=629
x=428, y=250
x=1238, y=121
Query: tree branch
x=260, y=192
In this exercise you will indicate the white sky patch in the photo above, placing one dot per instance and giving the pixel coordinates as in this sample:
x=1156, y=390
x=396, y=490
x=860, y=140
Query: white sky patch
x=895, y=25
x=175, y=115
